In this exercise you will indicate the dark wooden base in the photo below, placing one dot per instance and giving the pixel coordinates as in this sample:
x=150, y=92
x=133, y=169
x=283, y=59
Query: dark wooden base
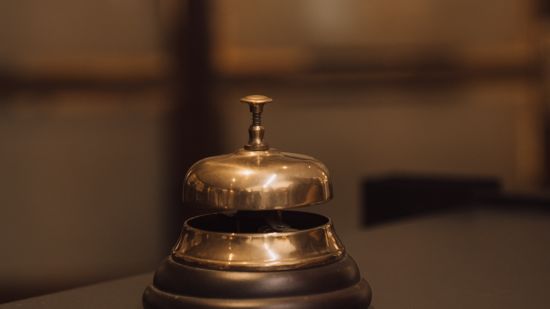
x=336, y=285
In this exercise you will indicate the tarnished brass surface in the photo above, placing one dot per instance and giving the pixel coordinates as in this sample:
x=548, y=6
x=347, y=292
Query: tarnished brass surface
x=296, y=248
x=256, y=131
x=257, y=180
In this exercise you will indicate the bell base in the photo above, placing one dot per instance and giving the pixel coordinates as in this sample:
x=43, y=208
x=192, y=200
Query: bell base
x=335, y=285
x=354, y=297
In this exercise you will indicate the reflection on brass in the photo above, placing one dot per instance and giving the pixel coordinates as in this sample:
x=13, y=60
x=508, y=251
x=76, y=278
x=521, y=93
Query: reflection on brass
x=257, y=180
x=259, y=251
x=257, y=177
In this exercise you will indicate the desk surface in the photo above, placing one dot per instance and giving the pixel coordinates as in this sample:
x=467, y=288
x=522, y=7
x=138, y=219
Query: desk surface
x=477, y=259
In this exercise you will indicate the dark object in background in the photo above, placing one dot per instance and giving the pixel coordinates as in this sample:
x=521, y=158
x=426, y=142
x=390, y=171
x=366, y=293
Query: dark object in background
x=535, y=201
x=193, y=107
x=391, y=197
x=543, y=9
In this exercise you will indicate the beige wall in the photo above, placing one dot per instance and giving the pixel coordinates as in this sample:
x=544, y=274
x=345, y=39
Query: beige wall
x=82, y=178
x=81, y=170
x=267, y=36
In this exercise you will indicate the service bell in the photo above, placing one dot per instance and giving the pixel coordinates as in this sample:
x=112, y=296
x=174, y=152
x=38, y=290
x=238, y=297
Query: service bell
x=254, y=252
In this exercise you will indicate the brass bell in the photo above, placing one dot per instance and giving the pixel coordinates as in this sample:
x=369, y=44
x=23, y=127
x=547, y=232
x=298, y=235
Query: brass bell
x=254, y=252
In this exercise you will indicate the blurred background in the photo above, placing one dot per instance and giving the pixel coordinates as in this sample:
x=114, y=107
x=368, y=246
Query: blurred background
x=414, y=105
